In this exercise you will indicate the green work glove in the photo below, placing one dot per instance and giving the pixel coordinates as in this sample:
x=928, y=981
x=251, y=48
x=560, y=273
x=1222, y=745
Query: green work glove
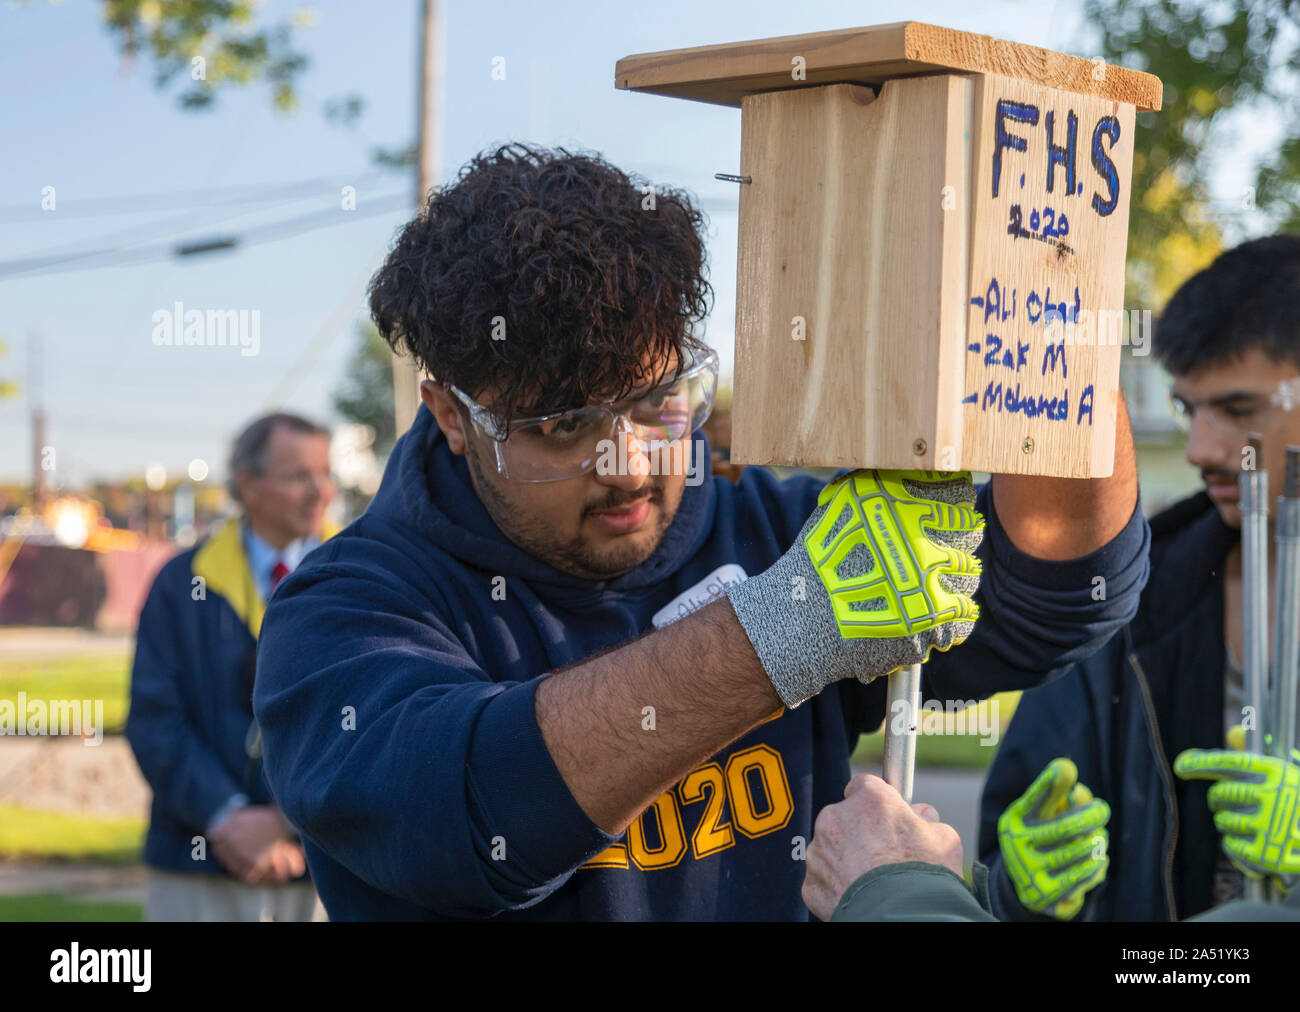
x=1054, y=842
x=882, y=573
x=1255, y=805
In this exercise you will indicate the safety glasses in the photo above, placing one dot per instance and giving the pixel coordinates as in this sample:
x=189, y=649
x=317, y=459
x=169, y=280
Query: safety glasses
x=567, y=444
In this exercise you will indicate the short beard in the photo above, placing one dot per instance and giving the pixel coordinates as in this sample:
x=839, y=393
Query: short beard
x=575, y=557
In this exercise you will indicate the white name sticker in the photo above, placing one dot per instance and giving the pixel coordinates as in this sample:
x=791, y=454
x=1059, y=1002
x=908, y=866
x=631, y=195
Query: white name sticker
x=694, y=598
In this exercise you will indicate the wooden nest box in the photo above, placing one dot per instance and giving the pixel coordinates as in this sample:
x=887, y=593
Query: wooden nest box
x=932, y=242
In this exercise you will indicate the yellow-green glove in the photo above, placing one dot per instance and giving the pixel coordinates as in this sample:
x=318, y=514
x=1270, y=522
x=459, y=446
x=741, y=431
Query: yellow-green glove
x=1054, y=842
x=892, y=514
x=883, y=572
x=1255, y=802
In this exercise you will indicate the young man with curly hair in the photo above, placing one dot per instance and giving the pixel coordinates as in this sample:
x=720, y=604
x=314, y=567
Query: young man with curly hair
x=559, y=672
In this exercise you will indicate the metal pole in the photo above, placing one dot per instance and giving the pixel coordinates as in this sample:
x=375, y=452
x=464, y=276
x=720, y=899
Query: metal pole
x=406, y=376
x=1254, y=581
x=1286, y=635
x=904, y=702
x=36, y=400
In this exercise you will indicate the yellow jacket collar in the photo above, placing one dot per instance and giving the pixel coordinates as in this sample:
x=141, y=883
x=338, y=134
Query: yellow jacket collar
x=222, y=563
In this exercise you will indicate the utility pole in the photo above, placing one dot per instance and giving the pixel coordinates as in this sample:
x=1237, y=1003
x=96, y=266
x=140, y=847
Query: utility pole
x=406, y=377
x=35, y=398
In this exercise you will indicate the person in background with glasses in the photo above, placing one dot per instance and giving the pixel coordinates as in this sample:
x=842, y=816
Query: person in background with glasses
x=218, y=847
x=558, y=671
x=1138, y=730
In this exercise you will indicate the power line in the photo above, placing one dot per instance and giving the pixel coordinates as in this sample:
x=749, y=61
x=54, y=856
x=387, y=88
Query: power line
x=98, y=424
x=156, y=231
x=249, y=193
x=119, y=257
x=311, y=355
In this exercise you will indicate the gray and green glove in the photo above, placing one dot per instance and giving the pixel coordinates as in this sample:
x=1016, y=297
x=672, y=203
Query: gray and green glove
x=1054, y=842
x=1255, y=807
x=882, y=573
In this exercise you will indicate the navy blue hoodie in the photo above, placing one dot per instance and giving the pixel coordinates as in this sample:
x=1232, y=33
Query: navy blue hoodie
x=1123, y=716
x=395, y=681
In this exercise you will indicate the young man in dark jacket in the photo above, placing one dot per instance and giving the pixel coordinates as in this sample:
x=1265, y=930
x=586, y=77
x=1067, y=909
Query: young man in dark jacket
x=556, y=672
x=1171, y=680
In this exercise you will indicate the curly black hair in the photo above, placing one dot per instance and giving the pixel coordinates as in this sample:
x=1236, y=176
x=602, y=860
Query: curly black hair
x=590, y=275
x=1249, y=298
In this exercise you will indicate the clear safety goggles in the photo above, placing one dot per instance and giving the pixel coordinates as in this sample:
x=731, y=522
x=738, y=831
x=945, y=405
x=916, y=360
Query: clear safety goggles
x=1239, y=412
x=567, y=444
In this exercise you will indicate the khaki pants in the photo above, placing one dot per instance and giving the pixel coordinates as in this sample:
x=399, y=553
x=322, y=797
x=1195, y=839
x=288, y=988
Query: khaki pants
x=175, y=897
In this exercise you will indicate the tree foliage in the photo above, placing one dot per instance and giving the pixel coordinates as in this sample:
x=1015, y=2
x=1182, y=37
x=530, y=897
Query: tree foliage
x=209, y=44
x=1240, y=55
x=366, y=393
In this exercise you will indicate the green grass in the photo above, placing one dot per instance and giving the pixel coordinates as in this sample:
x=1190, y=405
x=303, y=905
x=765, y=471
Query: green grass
x=52, y=907
x=963, y=751
x=39, y=834
x=100, y=676
x=952, y=750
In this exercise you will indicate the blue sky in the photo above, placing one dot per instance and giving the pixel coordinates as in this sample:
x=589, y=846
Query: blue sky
x=76, y=119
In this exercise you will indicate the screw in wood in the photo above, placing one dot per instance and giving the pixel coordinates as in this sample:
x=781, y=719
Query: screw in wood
x=1028, y=444
x=919, y=447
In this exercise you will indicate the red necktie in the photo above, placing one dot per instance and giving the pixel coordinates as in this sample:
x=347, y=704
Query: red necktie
x=278, y=573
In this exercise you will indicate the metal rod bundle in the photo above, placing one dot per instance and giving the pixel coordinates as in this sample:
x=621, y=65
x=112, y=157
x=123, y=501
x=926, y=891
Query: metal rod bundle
x=1282, y=712
x=1254, y=581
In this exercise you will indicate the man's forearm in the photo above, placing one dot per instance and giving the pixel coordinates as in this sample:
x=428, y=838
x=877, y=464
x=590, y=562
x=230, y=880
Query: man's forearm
x=706, y=686
x=1068, y=518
